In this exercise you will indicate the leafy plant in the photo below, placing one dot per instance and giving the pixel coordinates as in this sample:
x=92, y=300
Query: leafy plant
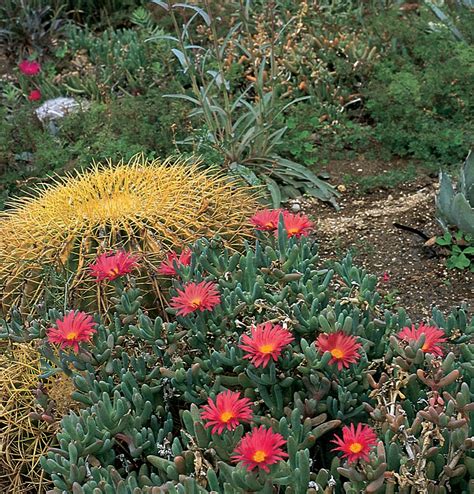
x=30, y=26
x=242, y=127
x=461, y=250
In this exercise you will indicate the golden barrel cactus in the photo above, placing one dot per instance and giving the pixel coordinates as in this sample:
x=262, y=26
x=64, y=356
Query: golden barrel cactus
x=24, y=440
x=48, y=239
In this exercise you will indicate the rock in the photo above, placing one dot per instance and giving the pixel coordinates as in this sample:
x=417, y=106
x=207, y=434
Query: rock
x=56, y=108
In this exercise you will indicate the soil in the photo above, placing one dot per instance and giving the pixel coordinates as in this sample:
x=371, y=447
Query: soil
x=412, y=275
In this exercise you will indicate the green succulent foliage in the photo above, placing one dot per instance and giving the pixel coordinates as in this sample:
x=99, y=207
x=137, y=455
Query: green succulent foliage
x=455, y=207
x=141, y=383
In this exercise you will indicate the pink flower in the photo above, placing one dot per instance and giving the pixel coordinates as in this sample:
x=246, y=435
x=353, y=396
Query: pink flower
x=433, y=337
x=196, y=296
x=167, y=266
x=297, y=224
x=343, y=348
x=266, y=219
x=265, y=343
x=260, y=448
x=29, y=67
x=73, y=328
x=385, y=277
x=34, y=95
x=355, y=444
x=227, y=412
x=109, y=266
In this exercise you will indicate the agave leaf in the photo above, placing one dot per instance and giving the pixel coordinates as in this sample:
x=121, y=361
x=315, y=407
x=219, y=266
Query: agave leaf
x=467, y=178
x=274, y=190
x=463, y=214
x=444, y=199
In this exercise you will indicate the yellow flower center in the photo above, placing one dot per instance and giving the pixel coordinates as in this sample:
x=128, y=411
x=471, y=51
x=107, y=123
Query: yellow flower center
x=196, y=302
x=259, y=456
x=425, y=347
x=268, y=348
x=113, y=272
x=226, y=416
x=355, y=447
x=293, y=231
x=72, y=335
x=337, y=353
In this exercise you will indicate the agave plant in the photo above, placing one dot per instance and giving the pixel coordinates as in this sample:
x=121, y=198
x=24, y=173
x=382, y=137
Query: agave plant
x=242, y=127
x=455, y=207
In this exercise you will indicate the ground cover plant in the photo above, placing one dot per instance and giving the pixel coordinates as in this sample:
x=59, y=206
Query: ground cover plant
x=259, y=381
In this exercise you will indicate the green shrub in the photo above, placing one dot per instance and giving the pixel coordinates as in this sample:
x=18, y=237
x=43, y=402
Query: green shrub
x=421, y=96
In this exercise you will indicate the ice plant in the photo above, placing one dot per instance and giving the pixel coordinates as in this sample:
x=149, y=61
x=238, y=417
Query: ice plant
x=29, y=67
x=355, y=444
x=72, y=329
x=266, y=219
x=109, y=266
x=433, y=337
x=196, y=296
x=35, y=95
x=343, y=348
x=296, y=224
x=266, y=342
x=260, y=448
x=228, y=411
x=167, y=267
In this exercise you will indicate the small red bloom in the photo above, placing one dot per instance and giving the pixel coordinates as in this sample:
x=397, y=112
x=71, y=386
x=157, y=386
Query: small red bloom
x=267, y=219
x=34, y=95
x=355, y=443
x=109, y=266
x=72, y=329
x=385, y=277
x=266, y=342
x=227, y=412
x=343, y=348
x=196, y=296
x=433, y=336
x=29, y=68
x=167, y=266
x=260, y=448
x=296, y=224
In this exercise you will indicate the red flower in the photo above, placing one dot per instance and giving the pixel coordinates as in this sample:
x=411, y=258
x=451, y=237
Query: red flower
x=29, y=68
x=34, y=95
x=266, y=342
x=267, y=219
x=260, y=448
x=227, y=412
x=196, y=296
x=343, y=348
x=385, y=277
x=109, y=266
x=167, y=266
x=355, y=443
x=433, y=336
x=296, y=224
x=72, y=329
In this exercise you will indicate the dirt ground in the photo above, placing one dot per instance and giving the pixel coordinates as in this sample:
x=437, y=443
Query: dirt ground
x=411, y=274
